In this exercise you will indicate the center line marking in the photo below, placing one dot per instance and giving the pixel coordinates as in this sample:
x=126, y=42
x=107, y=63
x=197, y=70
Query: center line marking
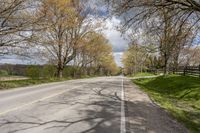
x=123, y=118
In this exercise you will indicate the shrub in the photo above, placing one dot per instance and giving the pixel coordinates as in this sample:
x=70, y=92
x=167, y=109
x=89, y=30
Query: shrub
x=68, y=71
x=33, y=72
x=49, y=71
x=3, y=73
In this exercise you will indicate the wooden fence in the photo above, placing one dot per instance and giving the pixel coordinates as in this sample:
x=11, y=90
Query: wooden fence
x=192, y=70
x=183, y=70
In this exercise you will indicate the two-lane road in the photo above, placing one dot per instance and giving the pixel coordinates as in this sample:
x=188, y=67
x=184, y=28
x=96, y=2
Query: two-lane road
x=77, y=106
x=95, y=105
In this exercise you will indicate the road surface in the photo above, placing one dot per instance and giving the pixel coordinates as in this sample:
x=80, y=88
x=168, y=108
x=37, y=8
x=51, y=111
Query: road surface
x=96, y=105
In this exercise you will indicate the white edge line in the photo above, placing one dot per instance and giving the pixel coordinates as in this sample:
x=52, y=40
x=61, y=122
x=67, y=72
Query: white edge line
x=123, y=118
x=31, y=103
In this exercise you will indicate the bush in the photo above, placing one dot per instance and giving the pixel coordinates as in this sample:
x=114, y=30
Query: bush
x=49, y=71
x=69, y=71
x=3, y=73
x=33, y=72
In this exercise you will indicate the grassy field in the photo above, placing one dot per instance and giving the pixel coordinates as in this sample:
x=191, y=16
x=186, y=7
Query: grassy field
x=28, y=82
x=142, y=74
x=22, y=83
x=179, y=95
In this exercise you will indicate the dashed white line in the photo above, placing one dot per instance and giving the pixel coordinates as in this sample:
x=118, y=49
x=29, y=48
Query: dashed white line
x=123, y=118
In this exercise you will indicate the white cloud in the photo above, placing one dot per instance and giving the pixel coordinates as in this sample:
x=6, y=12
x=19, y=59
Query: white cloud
x=118, y=42
x=114, y=36
x=118, y=58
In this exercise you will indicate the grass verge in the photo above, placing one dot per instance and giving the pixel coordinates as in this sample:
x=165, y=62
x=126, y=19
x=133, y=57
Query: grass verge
x=28, y=82
x=179, y=95
x=142, y=74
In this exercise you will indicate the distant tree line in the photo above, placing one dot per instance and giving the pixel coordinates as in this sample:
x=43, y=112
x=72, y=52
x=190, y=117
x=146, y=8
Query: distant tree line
x=49, y=71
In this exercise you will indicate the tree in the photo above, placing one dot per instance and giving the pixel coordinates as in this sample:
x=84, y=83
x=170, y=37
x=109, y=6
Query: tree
x=64, y=25
x=109, y=65
x=135, y=59
x=171, y=21
x=96, y=52
x=135, y=11
x=190, y=56
x=15, y=24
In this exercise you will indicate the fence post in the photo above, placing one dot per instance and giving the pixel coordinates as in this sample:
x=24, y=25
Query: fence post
x=199, y=70
x=184, y=71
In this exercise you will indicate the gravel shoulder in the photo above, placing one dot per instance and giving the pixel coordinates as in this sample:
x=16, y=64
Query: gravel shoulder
x=144, y=116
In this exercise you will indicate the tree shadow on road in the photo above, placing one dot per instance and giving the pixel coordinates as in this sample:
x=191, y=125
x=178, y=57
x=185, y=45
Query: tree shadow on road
x=101, y=113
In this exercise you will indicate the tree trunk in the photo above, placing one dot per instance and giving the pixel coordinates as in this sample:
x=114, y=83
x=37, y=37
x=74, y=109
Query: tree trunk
x=60, y=65
x=60, y=68
x=59, y=73
x=165, y=65
x=176, y=63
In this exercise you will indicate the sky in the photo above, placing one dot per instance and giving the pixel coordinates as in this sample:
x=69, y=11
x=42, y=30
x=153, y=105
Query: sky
x=119, y=45
x=118, y=42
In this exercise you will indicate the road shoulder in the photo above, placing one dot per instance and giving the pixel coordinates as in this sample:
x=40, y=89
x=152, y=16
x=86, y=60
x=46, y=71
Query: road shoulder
x=144, y=116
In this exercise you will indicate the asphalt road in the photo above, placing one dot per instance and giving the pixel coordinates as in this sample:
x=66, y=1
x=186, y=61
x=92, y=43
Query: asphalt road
x=96, y=105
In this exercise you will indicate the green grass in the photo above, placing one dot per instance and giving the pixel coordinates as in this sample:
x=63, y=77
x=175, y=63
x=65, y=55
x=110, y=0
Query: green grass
x=179, y=95
x=27, y=82
x=142, y=74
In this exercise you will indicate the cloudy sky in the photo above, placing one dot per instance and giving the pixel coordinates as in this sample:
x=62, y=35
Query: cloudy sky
x=115, y=38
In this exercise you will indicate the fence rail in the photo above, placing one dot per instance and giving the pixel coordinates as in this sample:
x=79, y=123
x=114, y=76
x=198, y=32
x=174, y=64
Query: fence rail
x=184, y=70
x=192, y=70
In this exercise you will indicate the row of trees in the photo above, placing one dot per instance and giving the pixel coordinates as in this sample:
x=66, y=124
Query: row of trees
x=162, y=29
x=61, y=31
x=135, y=59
